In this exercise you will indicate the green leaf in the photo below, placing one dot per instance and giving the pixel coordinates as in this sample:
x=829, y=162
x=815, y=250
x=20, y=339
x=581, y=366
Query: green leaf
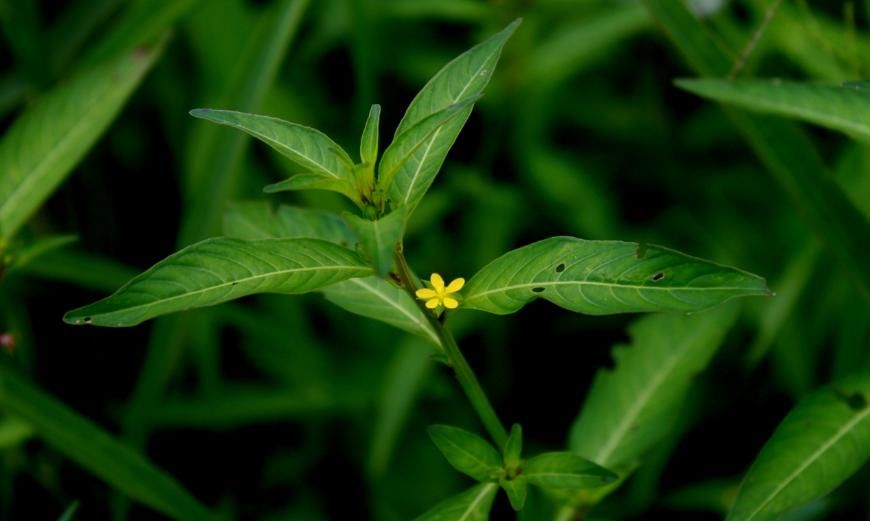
x=375, y=298
x=368, y=144
x=402, y=154
x=379, y=238
x=561, y=472
x=472, y=505
x=513, y=449
x=831, y=106
x=70, y=512
x=631, y=408
x=326, y=163
x=46, y=142
x=787, y=152
x=218, y=270
x=823, y=440
x=464, y=77
x=467, y=452
x=98, y=452
x=260, y=220
x=23, y=255
x=313, y=182
x=605, y=277
x=517, y=489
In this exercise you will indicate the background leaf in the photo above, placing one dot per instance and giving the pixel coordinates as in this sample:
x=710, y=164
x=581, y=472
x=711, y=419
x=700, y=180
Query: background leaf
x=823, y=441
x=632, y=407
x=832, y=106
x=217, y=270
x=604, y=277
x=565, y=471
x=45, y=143
x=379, y=238
x=98, y=452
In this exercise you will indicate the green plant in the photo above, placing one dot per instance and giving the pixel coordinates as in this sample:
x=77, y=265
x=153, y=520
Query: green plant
x=359, y=264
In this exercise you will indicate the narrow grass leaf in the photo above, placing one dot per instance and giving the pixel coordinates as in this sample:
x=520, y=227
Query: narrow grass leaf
x=472, y=505
x=787, y=152
x=631, y=408
x=46, y=142
x=218, y=270
x=97, y=451
x=467, y=452
x=464, y=77
x=605, y=277
x=823, y=440
x=831, y=106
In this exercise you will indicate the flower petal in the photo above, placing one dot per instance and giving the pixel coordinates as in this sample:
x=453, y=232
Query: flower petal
x=456, y=285
x=424, y=293
x=437, y=282
x=450, y=303
x=432, y=304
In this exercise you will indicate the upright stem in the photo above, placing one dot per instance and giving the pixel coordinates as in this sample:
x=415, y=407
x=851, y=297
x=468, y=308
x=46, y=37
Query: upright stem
x=464, y=373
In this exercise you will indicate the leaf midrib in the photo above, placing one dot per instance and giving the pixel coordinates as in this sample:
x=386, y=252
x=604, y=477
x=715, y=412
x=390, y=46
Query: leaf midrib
x=809, y=461
x=606, y=284
x=473, y=505
x=229, y=283
x=437, y=132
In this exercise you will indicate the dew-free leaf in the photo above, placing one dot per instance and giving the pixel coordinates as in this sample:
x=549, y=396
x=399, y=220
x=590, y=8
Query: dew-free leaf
x=514, y=447
x=98, y=452
x=467, y=452
x=253, y=220
x=327, y=166
x=379, y=237
x=464, y=77
x=517, y=489
x=560, y=472
x=472, y=505
x=368, y=144
x=218, y=270
x=631, y=407
x=832, y=106
x=823, y=440
x=46, y=142
x=605, y=277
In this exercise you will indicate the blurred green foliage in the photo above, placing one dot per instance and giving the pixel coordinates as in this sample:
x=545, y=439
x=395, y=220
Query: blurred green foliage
x=286, y=408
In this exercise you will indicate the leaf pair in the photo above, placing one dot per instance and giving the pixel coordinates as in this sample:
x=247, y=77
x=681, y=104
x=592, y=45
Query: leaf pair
x=558, y=473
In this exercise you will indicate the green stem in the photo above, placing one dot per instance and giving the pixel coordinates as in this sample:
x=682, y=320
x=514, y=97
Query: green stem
x=467, y=379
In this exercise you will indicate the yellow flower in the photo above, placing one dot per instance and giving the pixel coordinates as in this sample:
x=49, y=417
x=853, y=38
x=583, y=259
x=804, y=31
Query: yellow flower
x=439, y=294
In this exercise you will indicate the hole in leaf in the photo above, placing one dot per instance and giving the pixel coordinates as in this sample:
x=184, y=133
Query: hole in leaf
x=657, y=276
x=538, y=290
x=87, y=320
x=560, y=268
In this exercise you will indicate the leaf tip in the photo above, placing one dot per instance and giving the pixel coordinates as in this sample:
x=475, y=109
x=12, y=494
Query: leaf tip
x=200, y=113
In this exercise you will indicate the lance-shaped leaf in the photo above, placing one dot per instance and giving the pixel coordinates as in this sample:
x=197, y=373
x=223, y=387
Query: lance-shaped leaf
x=46, y=142
x=325, y=162
x=464, y=77
x=513, y=448
x=375, y=298
x=823, y=440
x=306, y=181
x=467, y=452
x=471, y=505
x=406, y=151
x=605, y=277
x=836, y=107
x=368, y=144
x=218, y=270
x=560, y=472
x=379, y=238
x=98, y=452
x=259, y=220
x=631, y=407
x=370, y=297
